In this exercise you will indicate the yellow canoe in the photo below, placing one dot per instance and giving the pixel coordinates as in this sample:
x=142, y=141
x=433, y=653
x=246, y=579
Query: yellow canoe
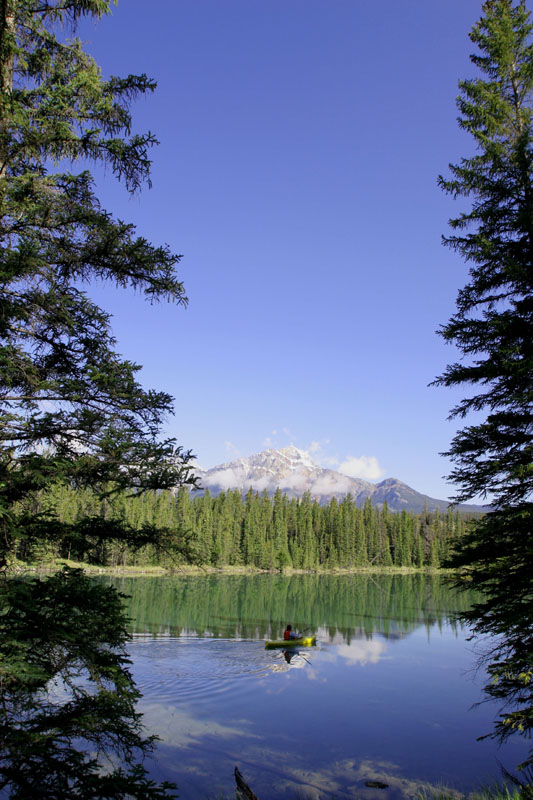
x=303, y=641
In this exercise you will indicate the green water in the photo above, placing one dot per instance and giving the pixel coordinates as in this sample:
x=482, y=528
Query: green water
x=386, y=694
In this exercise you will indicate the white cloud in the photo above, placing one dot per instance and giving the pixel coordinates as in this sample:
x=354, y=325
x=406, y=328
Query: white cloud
x=227, y=478
x=232, y=450
x=359, y=651
x=362, y=652
x=258, y=484
x=295, y=481
x=329, y=484
x=316, y=446
x=366, y=467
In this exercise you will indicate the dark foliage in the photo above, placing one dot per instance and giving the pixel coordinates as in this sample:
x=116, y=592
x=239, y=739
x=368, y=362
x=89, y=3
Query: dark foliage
x=73, y=411
x=493, y=330
x=68, y=699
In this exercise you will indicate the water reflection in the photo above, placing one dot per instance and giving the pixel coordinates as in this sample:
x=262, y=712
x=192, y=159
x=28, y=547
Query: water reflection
x=258, y=607
x=359, y=651
x=383, y=696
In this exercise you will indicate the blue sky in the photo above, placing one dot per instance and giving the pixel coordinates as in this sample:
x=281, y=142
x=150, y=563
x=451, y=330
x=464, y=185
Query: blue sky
x=301, y=141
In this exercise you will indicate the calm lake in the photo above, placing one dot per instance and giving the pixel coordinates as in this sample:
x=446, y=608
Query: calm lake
x=386, y=694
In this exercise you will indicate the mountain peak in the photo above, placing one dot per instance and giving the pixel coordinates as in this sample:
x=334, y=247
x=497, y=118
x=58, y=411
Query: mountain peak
x=294, y=472
x=297, y=457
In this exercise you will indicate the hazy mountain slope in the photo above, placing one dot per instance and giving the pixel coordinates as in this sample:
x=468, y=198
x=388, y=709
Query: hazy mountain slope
x=401, y=496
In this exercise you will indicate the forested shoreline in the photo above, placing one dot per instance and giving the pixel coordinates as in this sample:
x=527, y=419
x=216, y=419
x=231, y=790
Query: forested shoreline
x=231, y=530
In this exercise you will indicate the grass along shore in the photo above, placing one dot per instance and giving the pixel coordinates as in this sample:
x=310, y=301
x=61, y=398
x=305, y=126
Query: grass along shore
x=194, y=569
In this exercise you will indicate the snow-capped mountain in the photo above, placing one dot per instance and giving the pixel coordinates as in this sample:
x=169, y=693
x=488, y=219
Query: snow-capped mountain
x=294, y=472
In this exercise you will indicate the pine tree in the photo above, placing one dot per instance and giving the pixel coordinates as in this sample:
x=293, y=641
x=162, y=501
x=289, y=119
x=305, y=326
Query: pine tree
x=361, y=549
x=306, y=536
x=223, y=529
x=279, y=523
x=331, y=544
x=73, y=411
x=204, y=529
x=237, y=517
x=295, y=549
x=419, y=555
x=253, y=532
x=493, y=330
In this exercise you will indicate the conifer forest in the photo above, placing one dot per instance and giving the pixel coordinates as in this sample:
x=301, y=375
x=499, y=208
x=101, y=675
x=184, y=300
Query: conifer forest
x=255, y=530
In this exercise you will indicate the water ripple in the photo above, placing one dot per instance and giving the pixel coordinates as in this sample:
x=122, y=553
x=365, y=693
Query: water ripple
x=178, y=667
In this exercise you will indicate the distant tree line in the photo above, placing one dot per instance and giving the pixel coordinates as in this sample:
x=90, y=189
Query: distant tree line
x=254, y=530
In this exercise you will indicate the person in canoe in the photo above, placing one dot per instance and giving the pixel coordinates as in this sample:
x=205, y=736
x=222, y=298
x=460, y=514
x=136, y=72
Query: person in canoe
x=288, y=634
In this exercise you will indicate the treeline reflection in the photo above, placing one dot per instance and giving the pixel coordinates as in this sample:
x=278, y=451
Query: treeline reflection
x=258, y=607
